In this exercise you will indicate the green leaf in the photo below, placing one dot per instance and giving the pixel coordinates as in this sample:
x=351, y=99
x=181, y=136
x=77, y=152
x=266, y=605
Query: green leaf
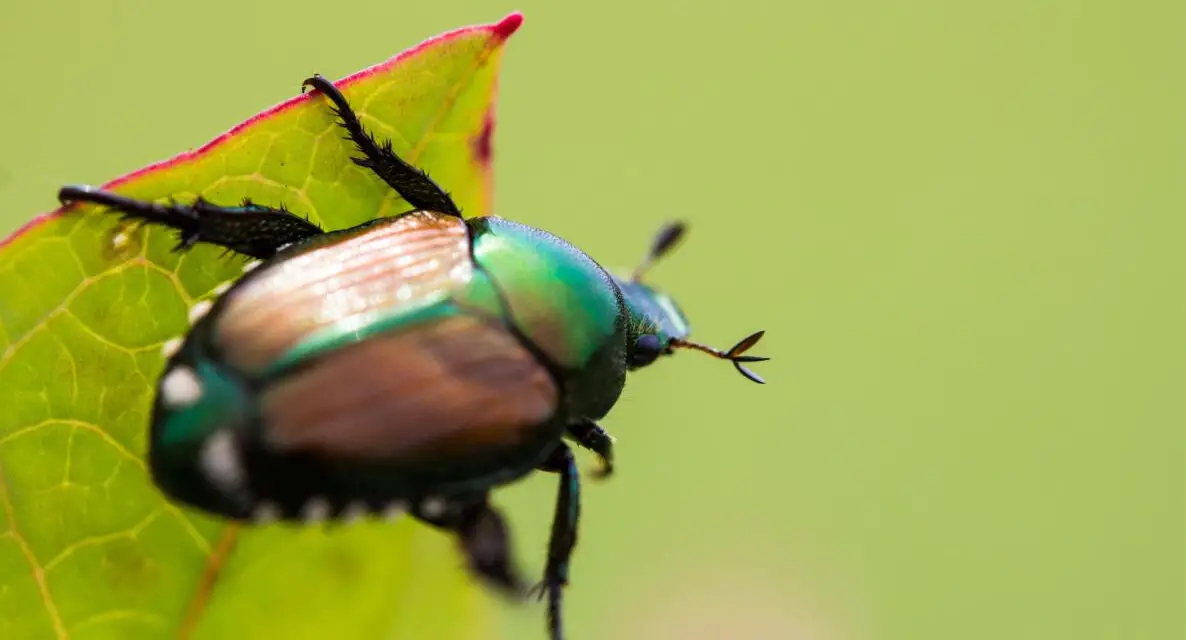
x=88, y=547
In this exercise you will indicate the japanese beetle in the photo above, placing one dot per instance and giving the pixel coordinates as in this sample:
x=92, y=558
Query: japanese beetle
x=412, y=363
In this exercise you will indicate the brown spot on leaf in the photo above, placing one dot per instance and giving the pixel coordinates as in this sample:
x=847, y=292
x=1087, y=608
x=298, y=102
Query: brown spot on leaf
x=123, y=242
x=483, y=143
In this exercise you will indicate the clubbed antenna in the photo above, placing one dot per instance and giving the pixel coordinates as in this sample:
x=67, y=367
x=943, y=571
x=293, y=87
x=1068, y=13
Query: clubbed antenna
x=664, y=242
x=733, y=355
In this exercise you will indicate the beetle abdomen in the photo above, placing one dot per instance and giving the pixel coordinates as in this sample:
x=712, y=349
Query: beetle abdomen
x=439, y=389
x=346, y=286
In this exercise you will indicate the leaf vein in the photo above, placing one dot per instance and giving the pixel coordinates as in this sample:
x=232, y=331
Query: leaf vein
x=186, y=523
x=205, y=587
x=451, y=98
x=88, y=541
x=121, y=614
x=38, y=571
x=92, y=333
x=172, y=276
x=84, y=284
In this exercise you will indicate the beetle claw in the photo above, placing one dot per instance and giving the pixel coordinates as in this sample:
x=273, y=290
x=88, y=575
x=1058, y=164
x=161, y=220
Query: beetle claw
x=311, y=82
x=543, y=589
x=606, y=470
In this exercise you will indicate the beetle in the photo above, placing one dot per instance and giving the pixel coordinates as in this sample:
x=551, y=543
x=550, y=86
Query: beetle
x=412, y=363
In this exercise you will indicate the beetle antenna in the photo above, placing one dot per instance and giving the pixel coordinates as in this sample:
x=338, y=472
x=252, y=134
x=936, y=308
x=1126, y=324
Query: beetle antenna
x=663, y=243
x=733, y=355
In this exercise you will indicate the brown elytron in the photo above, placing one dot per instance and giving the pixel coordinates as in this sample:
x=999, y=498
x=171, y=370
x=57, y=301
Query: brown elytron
x=439, y=388
x=344, y=284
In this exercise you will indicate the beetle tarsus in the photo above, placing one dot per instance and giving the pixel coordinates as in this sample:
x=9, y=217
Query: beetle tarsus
x=555, y=616
x=249, y=229
x=564, y=534
x=591, y=436
x=412, y=184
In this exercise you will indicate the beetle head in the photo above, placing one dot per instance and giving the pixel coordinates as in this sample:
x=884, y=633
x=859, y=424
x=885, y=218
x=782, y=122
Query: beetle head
x=658, y=327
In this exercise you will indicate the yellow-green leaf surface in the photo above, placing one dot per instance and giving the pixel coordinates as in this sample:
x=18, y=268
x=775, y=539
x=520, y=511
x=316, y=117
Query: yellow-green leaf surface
x=88, y=547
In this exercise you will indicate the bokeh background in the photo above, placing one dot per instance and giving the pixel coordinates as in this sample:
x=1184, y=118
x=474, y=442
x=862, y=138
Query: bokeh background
x=962, y=224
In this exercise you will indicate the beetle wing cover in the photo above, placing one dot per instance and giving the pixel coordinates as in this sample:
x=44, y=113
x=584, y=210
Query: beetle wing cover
x=439, y=388
x=348, y=283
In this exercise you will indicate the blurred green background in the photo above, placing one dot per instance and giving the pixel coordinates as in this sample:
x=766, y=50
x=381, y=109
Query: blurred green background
x=962, y=225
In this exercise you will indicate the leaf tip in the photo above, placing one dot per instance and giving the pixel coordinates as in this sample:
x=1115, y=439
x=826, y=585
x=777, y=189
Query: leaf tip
x=507, y=26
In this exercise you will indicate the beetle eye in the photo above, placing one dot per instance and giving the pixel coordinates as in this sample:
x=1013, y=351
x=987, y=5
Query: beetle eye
x=646, y=349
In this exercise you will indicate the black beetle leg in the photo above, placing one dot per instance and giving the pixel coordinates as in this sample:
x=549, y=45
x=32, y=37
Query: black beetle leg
x=483, y=536
x=592, y=437
x=564, y=535
x=249, y=229
x=412, y=184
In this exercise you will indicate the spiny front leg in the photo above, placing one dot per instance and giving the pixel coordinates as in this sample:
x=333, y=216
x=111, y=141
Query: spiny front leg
x=564, y=535
x=249, y=229
x=411, y=183
x=591, y=436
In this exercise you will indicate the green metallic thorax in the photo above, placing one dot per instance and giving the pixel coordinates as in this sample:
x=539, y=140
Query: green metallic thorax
x=565, y=304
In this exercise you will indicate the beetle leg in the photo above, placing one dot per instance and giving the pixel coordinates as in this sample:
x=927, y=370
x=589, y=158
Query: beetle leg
x=564, y=534
x=250, y=229
x=591, y=436
x=483, y=536
x=411, y=183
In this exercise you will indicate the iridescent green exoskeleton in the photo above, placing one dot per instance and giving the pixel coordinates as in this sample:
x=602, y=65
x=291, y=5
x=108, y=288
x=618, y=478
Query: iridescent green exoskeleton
x=412, y=363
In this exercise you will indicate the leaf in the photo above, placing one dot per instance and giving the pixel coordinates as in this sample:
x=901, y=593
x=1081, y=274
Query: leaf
x=89, y=548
